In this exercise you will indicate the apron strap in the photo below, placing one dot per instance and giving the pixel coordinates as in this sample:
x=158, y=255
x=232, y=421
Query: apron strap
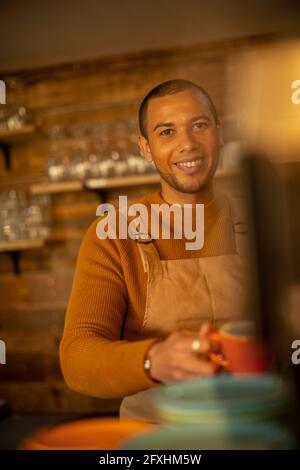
x=239, y=224
x=238, y=215
x=149, y=254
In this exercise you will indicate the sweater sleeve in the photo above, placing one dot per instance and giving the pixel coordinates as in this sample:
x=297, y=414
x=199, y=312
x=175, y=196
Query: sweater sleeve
x=94, y=359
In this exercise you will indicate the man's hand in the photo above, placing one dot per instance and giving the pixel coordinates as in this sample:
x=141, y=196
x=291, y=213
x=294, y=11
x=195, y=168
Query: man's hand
x=173, y=359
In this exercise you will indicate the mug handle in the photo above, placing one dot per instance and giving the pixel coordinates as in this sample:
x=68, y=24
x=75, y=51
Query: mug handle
x=217, y=359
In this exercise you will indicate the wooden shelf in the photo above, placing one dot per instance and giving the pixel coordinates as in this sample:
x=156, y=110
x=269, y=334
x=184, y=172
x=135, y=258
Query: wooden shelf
x=21, y=245
x=15, y=249
x=95, y=183
x=58, y=187
x=9, y=138
x=17, y=135
x=121, y=181
x=108, y=183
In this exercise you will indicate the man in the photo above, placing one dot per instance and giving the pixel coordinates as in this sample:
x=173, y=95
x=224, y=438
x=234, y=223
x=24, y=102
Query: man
x=140, y=310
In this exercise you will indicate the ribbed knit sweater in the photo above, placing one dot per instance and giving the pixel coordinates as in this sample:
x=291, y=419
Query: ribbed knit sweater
x=101, y=353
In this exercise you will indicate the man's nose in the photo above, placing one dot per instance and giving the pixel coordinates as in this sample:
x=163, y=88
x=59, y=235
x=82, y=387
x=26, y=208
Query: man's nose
x=187, y=142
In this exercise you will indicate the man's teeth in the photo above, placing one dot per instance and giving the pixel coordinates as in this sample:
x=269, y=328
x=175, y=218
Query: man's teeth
x=189, y=164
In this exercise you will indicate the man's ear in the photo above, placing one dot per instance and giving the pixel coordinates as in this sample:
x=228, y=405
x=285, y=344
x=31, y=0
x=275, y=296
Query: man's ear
x=145, y=148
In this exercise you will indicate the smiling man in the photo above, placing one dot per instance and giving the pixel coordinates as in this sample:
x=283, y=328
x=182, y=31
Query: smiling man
x=140, y=309
x=181, y=132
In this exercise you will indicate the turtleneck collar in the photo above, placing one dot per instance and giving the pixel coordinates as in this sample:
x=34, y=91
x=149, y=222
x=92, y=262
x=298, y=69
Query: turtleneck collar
x=206, y=196
x=212, y=202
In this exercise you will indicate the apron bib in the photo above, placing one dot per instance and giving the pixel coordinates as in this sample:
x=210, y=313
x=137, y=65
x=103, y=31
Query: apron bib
x=182, y=293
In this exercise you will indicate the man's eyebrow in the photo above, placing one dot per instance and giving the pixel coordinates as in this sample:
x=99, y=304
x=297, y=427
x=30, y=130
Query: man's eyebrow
x=170, y=124
x=201, y=116
x=163, y=124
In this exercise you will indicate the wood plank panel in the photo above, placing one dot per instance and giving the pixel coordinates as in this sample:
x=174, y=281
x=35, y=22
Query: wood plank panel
x=33, y=304
x=52, y=397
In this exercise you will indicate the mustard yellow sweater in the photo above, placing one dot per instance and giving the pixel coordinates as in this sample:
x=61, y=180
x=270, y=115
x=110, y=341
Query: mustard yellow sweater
x=101, y=353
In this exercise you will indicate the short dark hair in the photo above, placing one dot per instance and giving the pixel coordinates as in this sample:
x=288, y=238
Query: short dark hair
x=169, y=88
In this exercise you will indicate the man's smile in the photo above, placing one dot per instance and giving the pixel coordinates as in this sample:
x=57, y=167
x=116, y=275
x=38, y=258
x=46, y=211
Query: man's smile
x=191, y=166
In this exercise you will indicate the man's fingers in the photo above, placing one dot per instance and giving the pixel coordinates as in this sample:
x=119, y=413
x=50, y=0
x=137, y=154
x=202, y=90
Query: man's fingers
x=196, y=368
x=205, y=329
x=193, y=344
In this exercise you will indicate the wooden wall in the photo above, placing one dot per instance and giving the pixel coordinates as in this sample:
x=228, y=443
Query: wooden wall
x=33, y=304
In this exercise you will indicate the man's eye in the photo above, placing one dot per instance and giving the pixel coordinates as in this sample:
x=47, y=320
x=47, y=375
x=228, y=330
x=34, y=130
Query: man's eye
x=167, y=132
x=201, y=125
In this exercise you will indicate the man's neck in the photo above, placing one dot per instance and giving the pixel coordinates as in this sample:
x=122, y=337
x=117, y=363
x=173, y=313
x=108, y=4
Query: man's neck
x=172, y=196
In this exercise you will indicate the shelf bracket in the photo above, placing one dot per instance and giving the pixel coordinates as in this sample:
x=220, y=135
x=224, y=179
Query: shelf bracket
x=6, y=151
x=15, y=257
x=102, y=193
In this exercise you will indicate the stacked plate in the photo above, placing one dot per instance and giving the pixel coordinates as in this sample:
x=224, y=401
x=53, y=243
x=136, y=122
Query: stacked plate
x=222, y=399
x=222, y=412
x=239, y=437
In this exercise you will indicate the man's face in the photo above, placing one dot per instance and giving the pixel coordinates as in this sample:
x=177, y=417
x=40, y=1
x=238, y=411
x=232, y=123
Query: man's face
x=183, y=140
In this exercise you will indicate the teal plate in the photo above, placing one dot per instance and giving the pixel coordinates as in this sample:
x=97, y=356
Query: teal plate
x=238, y=437
x=222, y=398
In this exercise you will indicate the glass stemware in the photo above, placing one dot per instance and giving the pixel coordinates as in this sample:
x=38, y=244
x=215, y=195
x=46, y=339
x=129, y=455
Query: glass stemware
x=96, y=150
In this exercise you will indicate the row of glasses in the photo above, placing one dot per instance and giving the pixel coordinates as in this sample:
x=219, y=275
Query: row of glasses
x=24, y=216
x=14, y=115
x=95, y=150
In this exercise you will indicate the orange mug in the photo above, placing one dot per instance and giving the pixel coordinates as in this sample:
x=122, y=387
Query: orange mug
x=241, y=351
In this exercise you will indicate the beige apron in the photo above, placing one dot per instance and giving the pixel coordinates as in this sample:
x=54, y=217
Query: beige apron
x=186, y=291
